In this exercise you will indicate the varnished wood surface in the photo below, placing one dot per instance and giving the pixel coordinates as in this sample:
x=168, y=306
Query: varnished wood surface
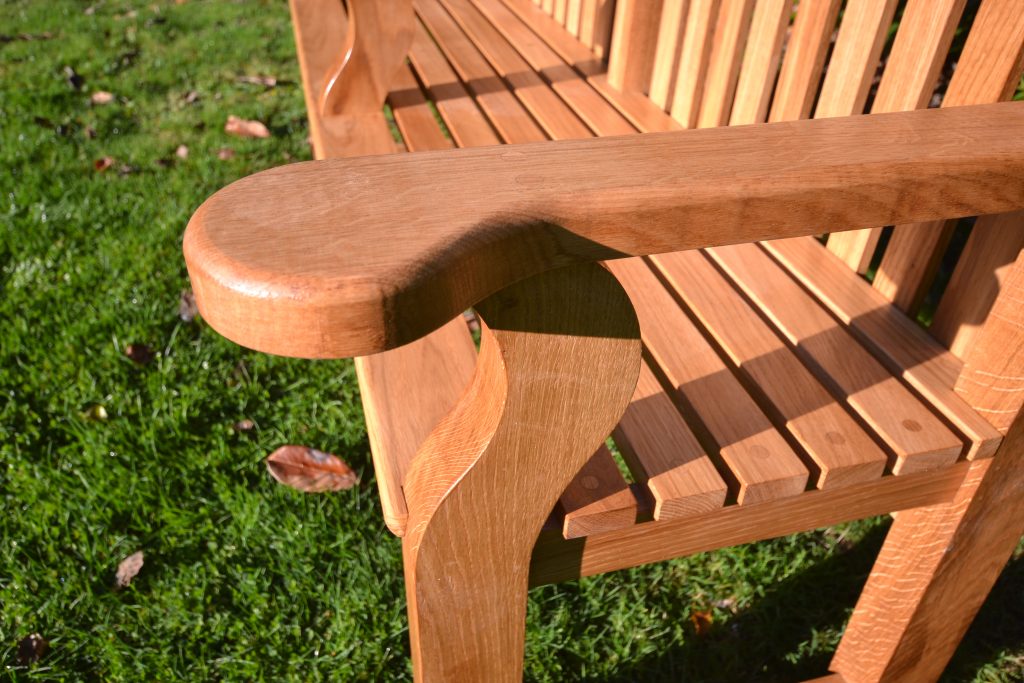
x=300, y=260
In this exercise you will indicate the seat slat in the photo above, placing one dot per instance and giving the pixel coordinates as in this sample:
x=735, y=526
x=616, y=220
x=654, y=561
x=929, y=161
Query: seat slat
x=506, y=113
x=895, y=339
x=731, y=32
x=588, y=104
x=988, y=70
x=756, y=461
x=466, y=123
x=760, y=61
x=413, y=116
x=694, y=55
x=917, y=438
x=554, y=116
x=598, y=499
x=663, y=454
x=841, y=452
x=805, y=58
x=918, y=52
x=994, y=244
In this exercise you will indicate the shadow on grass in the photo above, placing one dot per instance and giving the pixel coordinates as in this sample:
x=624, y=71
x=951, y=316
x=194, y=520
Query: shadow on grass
x=767, y=641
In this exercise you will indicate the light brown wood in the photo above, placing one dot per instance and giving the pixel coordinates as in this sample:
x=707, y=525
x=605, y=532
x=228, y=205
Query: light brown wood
x=556, y=559
x=663, y=454
x=600, y=116
x=505, y=112
x=464, y=120
x=572, y=17
x=805, y=57
x=992, y=380
x=554, y=116
x=275, y=268
x=588, y=18
x=840, y=452
x=559, y=358
x=636, y=107
x=634, y=40
x=559, y=11
x=413, y=115
x=916, y=438
x=938, y=563
x=573, y=52
x=755, y=460
x=728, y=43
x=598, y=499
x=993, y=246
x=918, y=52
x=666, y=53
x=858, y=48
x=694, y=54
x=904, y=347
x=603, y=20
x=988, y=71
x=760, y=61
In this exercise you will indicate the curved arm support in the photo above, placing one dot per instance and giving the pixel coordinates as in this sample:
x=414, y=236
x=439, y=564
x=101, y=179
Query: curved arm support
x=558, y=364
x=376, y=44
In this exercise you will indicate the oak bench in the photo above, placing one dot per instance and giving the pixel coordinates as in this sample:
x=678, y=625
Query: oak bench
x=668, y=290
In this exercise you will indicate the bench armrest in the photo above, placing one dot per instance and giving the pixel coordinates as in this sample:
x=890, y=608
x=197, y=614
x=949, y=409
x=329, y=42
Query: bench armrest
x=350, y=257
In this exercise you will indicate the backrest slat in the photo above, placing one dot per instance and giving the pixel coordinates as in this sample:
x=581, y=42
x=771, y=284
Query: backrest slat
x=855, y=56
x=666, y=54
x=805, y=57
x=572, y=17
x=918, y=52
x=723, y=71
x=693, y=61
x=760, y=61
x=634, y=40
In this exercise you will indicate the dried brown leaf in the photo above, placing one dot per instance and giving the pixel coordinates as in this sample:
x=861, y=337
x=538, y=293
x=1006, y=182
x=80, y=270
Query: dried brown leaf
x=187, y=309
x=309, y=470
x=702, y=622
x=128, y=570
x=245, y=128
x=103, y=163
x=190, y=97
x=140, y=353
x=102, y=97
x=31, y=649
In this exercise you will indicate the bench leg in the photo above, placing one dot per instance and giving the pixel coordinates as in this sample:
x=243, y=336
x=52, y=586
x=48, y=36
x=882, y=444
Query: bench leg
x=559, y=359
x=933, y=573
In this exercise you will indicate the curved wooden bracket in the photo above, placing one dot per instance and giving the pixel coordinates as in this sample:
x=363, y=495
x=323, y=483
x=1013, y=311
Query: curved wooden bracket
x=376, y=44
x=559, y=360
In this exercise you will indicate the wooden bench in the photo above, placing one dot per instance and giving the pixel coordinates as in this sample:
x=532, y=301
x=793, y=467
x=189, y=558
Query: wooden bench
x=754, y=382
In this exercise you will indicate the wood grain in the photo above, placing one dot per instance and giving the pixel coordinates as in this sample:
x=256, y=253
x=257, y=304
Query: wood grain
x=902, y=345
x=728, y=43
x=556, y=559
x=665, y=456
x=694, y=54
x=269, y=255
x=838, y=450
x=805, y=57
x=634, y=40
x=598, y=499
x=994, y=244
x=559, y=358
x=760, y=61
x=666, y=53
x=755, y=460
x=915, y=437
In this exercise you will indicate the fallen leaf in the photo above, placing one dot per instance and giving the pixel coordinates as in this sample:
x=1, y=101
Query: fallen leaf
x=140, y=353
x=702, y=622
x=31, y=649
x=103, y=163
x=243, y=425
x=190, y=97
x=245, y=128
x=309, y=470
x=225, y=153
x=128, y=570
x=181, y=152
x=187, y=309
x=102, y=97
x=73, y=79
x=268, y=81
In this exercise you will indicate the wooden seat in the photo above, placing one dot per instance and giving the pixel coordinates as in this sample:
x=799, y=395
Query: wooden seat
x=779, y=390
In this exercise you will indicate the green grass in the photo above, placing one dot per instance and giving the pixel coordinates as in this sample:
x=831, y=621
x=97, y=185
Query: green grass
x=243, y=578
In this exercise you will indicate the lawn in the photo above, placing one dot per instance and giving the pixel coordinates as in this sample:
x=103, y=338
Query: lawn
x=244, y=579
